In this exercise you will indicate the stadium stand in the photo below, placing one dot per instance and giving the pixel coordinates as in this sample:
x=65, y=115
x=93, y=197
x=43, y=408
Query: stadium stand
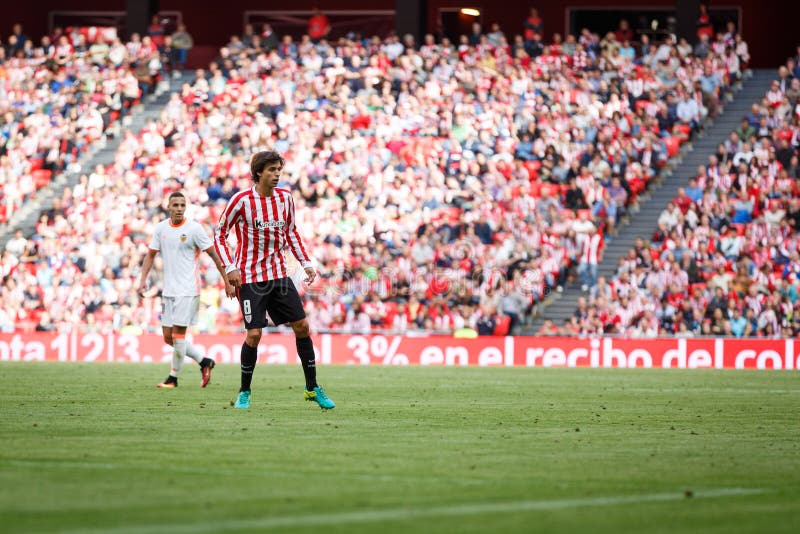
x=724, y=259
x=58, y=98
x=439, y=186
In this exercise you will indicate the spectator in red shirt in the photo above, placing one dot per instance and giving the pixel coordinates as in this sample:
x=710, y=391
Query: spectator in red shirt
x=534, y=25
x=156, y=31
x=683, y=201
x=704, y=24
x=318, y=25
x=624, y=32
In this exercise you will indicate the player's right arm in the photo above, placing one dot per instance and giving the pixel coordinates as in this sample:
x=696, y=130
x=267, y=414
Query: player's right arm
x=146, y=266
x=155, y=246
x=230, y=215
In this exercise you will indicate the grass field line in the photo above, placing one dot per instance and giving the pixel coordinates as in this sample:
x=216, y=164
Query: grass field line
x=105, y=466
x=400, y=514
x=692, y=389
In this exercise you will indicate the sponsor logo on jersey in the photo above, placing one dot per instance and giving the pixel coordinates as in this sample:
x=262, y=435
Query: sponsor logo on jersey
x=262, y=225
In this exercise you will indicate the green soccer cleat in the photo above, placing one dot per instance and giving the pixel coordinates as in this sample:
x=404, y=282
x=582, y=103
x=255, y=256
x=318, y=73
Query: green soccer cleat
x=318, y=395
x=243, y=400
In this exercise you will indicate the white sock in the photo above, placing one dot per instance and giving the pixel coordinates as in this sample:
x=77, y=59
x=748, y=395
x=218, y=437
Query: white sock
x=193, y=352
x=178, y=353
x=177, y=363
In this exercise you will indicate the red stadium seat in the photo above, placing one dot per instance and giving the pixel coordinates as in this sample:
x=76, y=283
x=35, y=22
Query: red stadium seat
x=700, y=285
x=637, y=186
x=502, y=325
x=391, y=312
x=361, y=122
x=3, y=213
x=451, y=214
x=673, y=145
x=41, y=177
x=533, y=167
x=505, y=169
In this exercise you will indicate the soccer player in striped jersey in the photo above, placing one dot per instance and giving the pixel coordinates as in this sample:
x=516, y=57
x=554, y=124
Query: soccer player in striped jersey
x=180, y=241
x=263, y=220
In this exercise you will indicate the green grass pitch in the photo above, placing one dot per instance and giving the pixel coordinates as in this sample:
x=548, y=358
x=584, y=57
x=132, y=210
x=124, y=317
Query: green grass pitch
x=97, y=448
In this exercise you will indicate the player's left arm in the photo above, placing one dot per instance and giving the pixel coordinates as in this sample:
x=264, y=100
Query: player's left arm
x=297, y=246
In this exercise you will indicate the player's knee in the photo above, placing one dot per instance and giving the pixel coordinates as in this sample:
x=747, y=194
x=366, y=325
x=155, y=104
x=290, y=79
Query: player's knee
x=168, y=340
x=301, y=328
x=253, y=337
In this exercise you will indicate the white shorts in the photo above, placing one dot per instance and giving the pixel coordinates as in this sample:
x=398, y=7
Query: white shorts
x=179, y=311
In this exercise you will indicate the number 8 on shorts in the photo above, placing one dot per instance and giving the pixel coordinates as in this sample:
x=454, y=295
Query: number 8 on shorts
x=247, y=310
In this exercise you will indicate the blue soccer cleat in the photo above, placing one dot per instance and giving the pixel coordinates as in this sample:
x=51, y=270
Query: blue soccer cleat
x=243, y=400
x=318, y=395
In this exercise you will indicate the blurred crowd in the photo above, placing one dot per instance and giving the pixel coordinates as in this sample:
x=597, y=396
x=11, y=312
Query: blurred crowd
x=725, y=257
x=440, y=186
x=60, y=95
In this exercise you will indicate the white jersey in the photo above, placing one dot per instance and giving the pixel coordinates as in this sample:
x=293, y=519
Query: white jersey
x=180, y=246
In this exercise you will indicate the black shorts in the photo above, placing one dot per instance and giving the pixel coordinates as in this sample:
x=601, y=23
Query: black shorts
x=278, y=297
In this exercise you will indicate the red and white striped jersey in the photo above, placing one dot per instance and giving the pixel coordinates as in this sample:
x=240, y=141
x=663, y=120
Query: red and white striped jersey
x=591, y=249
x=264, y=227
x=625, y=314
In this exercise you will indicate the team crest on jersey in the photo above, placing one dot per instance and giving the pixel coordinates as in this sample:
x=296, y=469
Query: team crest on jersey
x=184, y=237
x=263, y=225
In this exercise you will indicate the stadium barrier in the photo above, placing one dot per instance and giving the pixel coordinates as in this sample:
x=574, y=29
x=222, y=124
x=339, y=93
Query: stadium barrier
x=354, y=349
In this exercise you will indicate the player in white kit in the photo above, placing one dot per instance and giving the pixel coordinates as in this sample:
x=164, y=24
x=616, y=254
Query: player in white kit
x=180, y=241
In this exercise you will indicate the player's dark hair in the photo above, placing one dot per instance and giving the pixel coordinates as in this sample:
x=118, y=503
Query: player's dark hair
x=261, y=160
x=173, y=195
